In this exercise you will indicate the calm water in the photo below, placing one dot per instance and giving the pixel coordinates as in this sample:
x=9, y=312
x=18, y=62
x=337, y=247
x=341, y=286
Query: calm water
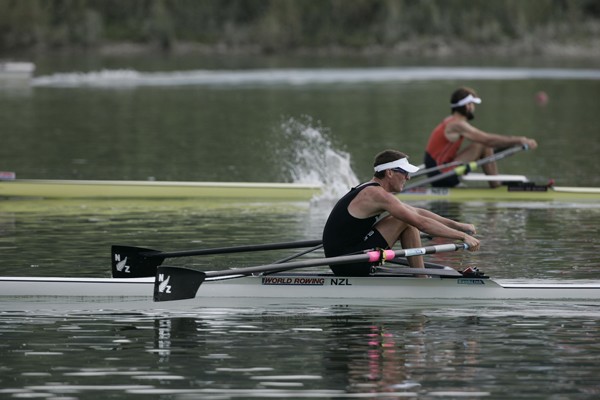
x=87, y=126
x=523, y=351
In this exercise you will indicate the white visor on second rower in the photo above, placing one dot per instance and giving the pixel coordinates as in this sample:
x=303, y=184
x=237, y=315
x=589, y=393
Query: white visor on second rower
x=401, y=163
x=469, y=99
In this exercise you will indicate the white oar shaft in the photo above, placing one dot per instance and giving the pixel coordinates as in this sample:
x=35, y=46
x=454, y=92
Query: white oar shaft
x=467, y=167
x=424, y=171
x=370, y=256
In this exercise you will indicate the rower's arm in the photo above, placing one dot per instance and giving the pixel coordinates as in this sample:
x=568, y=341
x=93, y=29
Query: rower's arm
x=459, y=226
x=463, y=128
x=428, y=221
x=424, y=220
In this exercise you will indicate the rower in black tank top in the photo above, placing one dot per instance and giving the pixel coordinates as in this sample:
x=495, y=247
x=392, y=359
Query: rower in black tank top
x=344, y=234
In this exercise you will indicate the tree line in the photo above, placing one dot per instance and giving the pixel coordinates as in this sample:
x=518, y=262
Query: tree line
x=288, y=25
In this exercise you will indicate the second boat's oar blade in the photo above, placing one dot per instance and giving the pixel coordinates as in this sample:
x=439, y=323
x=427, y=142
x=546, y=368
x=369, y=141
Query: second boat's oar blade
x=177, y=283
x=134, y=262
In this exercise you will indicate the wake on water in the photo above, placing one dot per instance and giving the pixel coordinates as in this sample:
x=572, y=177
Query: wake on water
x=126, y=78
x=309, y=157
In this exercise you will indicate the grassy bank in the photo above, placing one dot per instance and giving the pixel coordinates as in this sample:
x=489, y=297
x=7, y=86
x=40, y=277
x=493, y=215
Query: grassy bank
x=425, y=27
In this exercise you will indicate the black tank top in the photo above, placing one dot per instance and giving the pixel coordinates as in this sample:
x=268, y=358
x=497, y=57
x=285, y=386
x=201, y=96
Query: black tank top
x=342, y=231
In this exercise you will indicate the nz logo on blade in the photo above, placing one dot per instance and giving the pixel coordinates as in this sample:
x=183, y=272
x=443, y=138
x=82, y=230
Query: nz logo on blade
x=163, y=286
x=122, y=266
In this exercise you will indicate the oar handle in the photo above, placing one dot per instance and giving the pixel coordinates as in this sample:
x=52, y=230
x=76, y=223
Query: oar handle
x=440, y=248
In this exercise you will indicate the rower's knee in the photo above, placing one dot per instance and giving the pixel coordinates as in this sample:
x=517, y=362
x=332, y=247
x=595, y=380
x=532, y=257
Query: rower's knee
x=487, y=151
x=410, y=237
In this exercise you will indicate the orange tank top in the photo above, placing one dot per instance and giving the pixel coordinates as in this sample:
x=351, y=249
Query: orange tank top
x=439, y=147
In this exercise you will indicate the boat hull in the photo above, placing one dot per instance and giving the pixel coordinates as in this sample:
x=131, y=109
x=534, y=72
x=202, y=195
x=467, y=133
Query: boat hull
x=309, y=288
x=24, y=188
x=80, y=189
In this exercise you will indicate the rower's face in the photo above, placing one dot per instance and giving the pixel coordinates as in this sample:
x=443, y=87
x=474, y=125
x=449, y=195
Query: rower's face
x=470, y=111
x=400, y=177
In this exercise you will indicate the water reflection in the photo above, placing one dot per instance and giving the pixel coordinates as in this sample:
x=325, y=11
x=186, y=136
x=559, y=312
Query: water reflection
x=319, y=352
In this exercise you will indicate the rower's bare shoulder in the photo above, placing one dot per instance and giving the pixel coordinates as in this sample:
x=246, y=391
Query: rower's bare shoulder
x=370, y=191
x=371, y=194
x=458, y=125
x=380, y=195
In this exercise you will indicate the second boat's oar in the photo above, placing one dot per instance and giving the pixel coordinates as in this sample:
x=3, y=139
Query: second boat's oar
x=176, y=283
x=467, y=167
x=138, y=262
x=424, y=171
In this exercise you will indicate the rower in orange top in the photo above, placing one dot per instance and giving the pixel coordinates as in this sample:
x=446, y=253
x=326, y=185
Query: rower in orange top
x=446, y=140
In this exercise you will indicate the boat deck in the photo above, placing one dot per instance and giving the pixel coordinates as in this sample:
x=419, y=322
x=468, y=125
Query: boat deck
x=98, y=189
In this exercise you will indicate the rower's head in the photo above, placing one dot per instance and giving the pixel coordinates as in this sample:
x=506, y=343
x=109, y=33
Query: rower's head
x=389, y=163
x=463, y=101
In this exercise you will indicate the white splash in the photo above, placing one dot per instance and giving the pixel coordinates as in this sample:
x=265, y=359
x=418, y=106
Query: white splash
x=311, y=158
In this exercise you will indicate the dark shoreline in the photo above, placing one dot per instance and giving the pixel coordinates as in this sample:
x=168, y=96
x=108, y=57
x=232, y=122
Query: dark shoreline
x=588, y=49
x=418, y=48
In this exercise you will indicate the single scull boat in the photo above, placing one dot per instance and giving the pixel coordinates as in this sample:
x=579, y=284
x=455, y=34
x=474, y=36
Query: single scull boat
x=308, y=287
x=99, y=189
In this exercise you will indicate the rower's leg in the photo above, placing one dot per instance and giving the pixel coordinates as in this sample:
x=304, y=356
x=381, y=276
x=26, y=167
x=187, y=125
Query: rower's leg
x=477, y=151
x=394, y=230
x=411, y=238
x=490, y=168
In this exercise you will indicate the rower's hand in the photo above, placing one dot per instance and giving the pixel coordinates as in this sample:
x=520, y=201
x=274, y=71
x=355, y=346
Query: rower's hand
x=530, y=143
x=472, y=242
x=468, y=228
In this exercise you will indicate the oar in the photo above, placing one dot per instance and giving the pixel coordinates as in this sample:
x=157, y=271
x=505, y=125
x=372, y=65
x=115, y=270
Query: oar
x=177, y=283
x=296, y=255
x=137, y=262
x=467, y=167
x=424, y=171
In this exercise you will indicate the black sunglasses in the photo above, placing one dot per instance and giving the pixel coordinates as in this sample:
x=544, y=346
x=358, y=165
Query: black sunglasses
x=403, y=172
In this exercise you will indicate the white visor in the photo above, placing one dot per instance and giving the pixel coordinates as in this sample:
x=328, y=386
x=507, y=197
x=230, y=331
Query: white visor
x=401, y=163
x=469, y=99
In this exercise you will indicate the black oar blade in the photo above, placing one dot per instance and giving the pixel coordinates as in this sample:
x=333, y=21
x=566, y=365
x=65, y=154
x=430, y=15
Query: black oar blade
x=134, y=262
x=176, y=283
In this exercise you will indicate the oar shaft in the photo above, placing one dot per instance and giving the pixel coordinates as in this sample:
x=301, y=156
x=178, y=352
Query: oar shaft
x=236, y=249
x=467, y=167
x=436, y=168
x=300, y=254
x=371, y=256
